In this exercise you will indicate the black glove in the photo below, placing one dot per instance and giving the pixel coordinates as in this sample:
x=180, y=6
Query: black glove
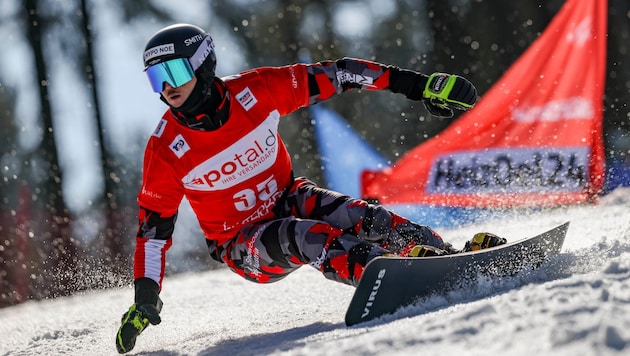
x=145, y=310
x=445, y=92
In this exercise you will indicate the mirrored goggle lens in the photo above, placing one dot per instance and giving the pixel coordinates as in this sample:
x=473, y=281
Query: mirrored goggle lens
x=175, y=72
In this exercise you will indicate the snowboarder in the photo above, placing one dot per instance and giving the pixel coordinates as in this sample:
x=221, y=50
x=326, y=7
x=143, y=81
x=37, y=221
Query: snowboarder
x=217, y=144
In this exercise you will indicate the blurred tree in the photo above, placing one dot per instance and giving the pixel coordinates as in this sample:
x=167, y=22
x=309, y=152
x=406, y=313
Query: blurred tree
x=481, y=39
x=12, y=281
x=138, y=9
x=55, y=230
x=616, y=106
x=112, y=235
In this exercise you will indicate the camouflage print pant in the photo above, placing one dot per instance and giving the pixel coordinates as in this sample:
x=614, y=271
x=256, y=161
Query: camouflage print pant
x=334, y=233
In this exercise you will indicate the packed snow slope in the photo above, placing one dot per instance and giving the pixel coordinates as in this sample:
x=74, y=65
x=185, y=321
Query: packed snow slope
x=576, y=304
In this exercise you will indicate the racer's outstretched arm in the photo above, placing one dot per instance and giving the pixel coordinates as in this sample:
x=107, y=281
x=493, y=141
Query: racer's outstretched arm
x=153, y=239
x=440, y=92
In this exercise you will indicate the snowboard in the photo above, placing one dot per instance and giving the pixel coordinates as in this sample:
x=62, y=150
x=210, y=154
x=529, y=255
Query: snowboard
x=389, y=283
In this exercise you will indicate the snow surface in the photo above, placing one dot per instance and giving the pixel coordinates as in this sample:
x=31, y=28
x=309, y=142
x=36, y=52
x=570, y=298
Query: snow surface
x=576, y=304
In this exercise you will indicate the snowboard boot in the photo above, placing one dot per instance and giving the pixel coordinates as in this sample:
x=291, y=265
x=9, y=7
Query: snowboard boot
x=428, y=250
x=483, y=240
x=408, y=235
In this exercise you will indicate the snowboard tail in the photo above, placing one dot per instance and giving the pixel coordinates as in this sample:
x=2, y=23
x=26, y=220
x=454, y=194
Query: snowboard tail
x=389, y=283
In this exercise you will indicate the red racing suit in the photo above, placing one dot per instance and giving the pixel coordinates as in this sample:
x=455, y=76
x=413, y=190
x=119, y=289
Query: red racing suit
x=234, y=176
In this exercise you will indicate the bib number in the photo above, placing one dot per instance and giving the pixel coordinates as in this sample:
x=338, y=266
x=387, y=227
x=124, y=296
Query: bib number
x=248, y=198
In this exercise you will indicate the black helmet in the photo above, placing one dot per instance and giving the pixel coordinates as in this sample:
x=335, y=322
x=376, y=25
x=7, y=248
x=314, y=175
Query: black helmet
x=179, y=41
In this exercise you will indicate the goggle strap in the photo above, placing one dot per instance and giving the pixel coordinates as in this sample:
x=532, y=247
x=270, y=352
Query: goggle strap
x=202, y=52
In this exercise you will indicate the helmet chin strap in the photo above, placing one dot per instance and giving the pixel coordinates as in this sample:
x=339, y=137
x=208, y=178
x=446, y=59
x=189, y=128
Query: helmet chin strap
x=205, y=108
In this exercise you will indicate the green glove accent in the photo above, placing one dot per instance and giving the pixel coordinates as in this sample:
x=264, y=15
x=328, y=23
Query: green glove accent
x=444, y=92
x=133, y=324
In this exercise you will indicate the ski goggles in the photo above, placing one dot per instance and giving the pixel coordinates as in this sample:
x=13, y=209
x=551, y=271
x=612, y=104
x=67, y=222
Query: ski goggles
x=176, y=72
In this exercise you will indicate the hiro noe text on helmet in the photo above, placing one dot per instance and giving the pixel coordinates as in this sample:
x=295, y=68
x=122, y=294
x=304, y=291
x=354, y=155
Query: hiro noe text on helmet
x=169, y=49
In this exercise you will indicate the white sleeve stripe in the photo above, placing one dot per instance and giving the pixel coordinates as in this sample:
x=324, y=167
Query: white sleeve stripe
x=153, y=259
